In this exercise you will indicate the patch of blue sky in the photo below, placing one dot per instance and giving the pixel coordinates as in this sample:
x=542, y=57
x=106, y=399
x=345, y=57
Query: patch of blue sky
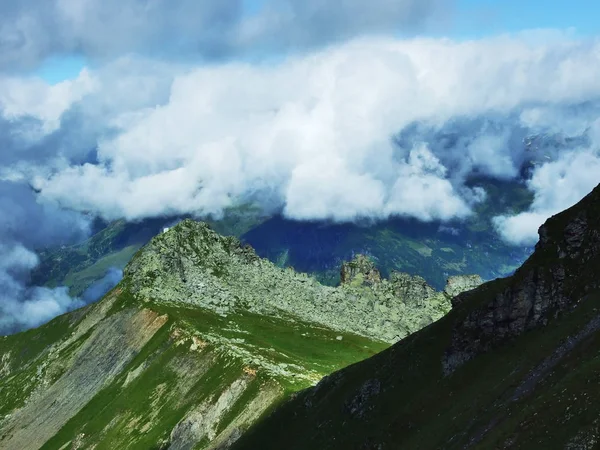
x=479, y=18
x=61, y=67
x=252, y=6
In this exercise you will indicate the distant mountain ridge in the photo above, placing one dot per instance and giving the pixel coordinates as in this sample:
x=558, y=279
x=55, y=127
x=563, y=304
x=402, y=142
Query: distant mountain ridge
x=433, y=251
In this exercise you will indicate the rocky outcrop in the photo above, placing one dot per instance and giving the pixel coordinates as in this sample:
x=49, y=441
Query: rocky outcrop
x=202, y=422
x=461, y=283
x=360, y=270
x=568, y=250
x=194, y=265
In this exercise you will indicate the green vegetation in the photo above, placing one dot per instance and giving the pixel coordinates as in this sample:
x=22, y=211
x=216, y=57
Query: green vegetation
x=21, y=363
x=420, y=408
x=292, y=341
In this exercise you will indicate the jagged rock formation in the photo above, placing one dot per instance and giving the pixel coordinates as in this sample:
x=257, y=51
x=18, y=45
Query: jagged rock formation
x=199, y=340
x=360, y=270
x=461, y=283
x=548, y=283
x=193, y=264
x=514, y=365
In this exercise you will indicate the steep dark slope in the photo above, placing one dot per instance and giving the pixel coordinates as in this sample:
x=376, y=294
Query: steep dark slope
x=514, y=365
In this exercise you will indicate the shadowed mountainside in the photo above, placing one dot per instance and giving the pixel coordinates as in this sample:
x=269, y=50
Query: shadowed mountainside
x=513, y=365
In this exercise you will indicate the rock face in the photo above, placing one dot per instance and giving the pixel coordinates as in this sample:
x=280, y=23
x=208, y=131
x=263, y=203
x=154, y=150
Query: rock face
x=551, y=281
x=194, y=265
x=462, y=283
x=360, y=270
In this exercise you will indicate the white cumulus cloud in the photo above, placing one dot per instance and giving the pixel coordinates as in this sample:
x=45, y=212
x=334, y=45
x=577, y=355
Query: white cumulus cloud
x=313, y=133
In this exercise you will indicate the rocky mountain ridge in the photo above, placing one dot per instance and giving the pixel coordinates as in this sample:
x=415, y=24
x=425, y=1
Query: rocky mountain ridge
x=193, y=264
x=549, y=283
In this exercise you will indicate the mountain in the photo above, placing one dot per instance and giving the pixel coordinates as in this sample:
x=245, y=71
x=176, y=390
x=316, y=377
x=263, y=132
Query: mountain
x=84, y=267
x=199, y=340
x=514, y=365
x=434, y=251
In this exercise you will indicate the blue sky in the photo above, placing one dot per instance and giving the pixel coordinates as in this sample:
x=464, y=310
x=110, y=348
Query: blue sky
x=484, y=17
x=473, y=19
x=60, y=68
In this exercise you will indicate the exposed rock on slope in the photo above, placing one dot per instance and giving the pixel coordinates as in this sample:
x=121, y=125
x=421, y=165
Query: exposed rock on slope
x=514, y=365
x=551, y=281
x=193, y=264
x=461, y=283
x=361, y=268
x=111, y=348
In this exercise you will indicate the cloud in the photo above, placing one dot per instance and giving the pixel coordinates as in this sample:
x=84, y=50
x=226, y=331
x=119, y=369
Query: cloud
x=32, y=97
x=32, y=30
x=20, y=307
x=97, y=290
x=310, y=23
x=557, y=185
x=45, y=129
x=370, y=128
x=26, y=224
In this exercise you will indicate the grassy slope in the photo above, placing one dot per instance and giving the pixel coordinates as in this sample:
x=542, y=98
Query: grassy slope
x=537, y=391
x=172, y=377
x=27, y=351
x=420, y=408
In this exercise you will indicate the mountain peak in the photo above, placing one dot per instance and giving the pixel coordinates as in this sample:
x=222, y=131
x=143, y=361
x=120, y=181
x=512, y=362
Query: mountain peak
x=360, y=270
x=192, y=264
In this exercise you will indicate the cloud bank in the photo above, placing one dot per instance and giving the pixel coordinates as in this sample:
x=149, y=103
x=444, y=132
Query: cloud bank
x=371, y=128
x=368, y=128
